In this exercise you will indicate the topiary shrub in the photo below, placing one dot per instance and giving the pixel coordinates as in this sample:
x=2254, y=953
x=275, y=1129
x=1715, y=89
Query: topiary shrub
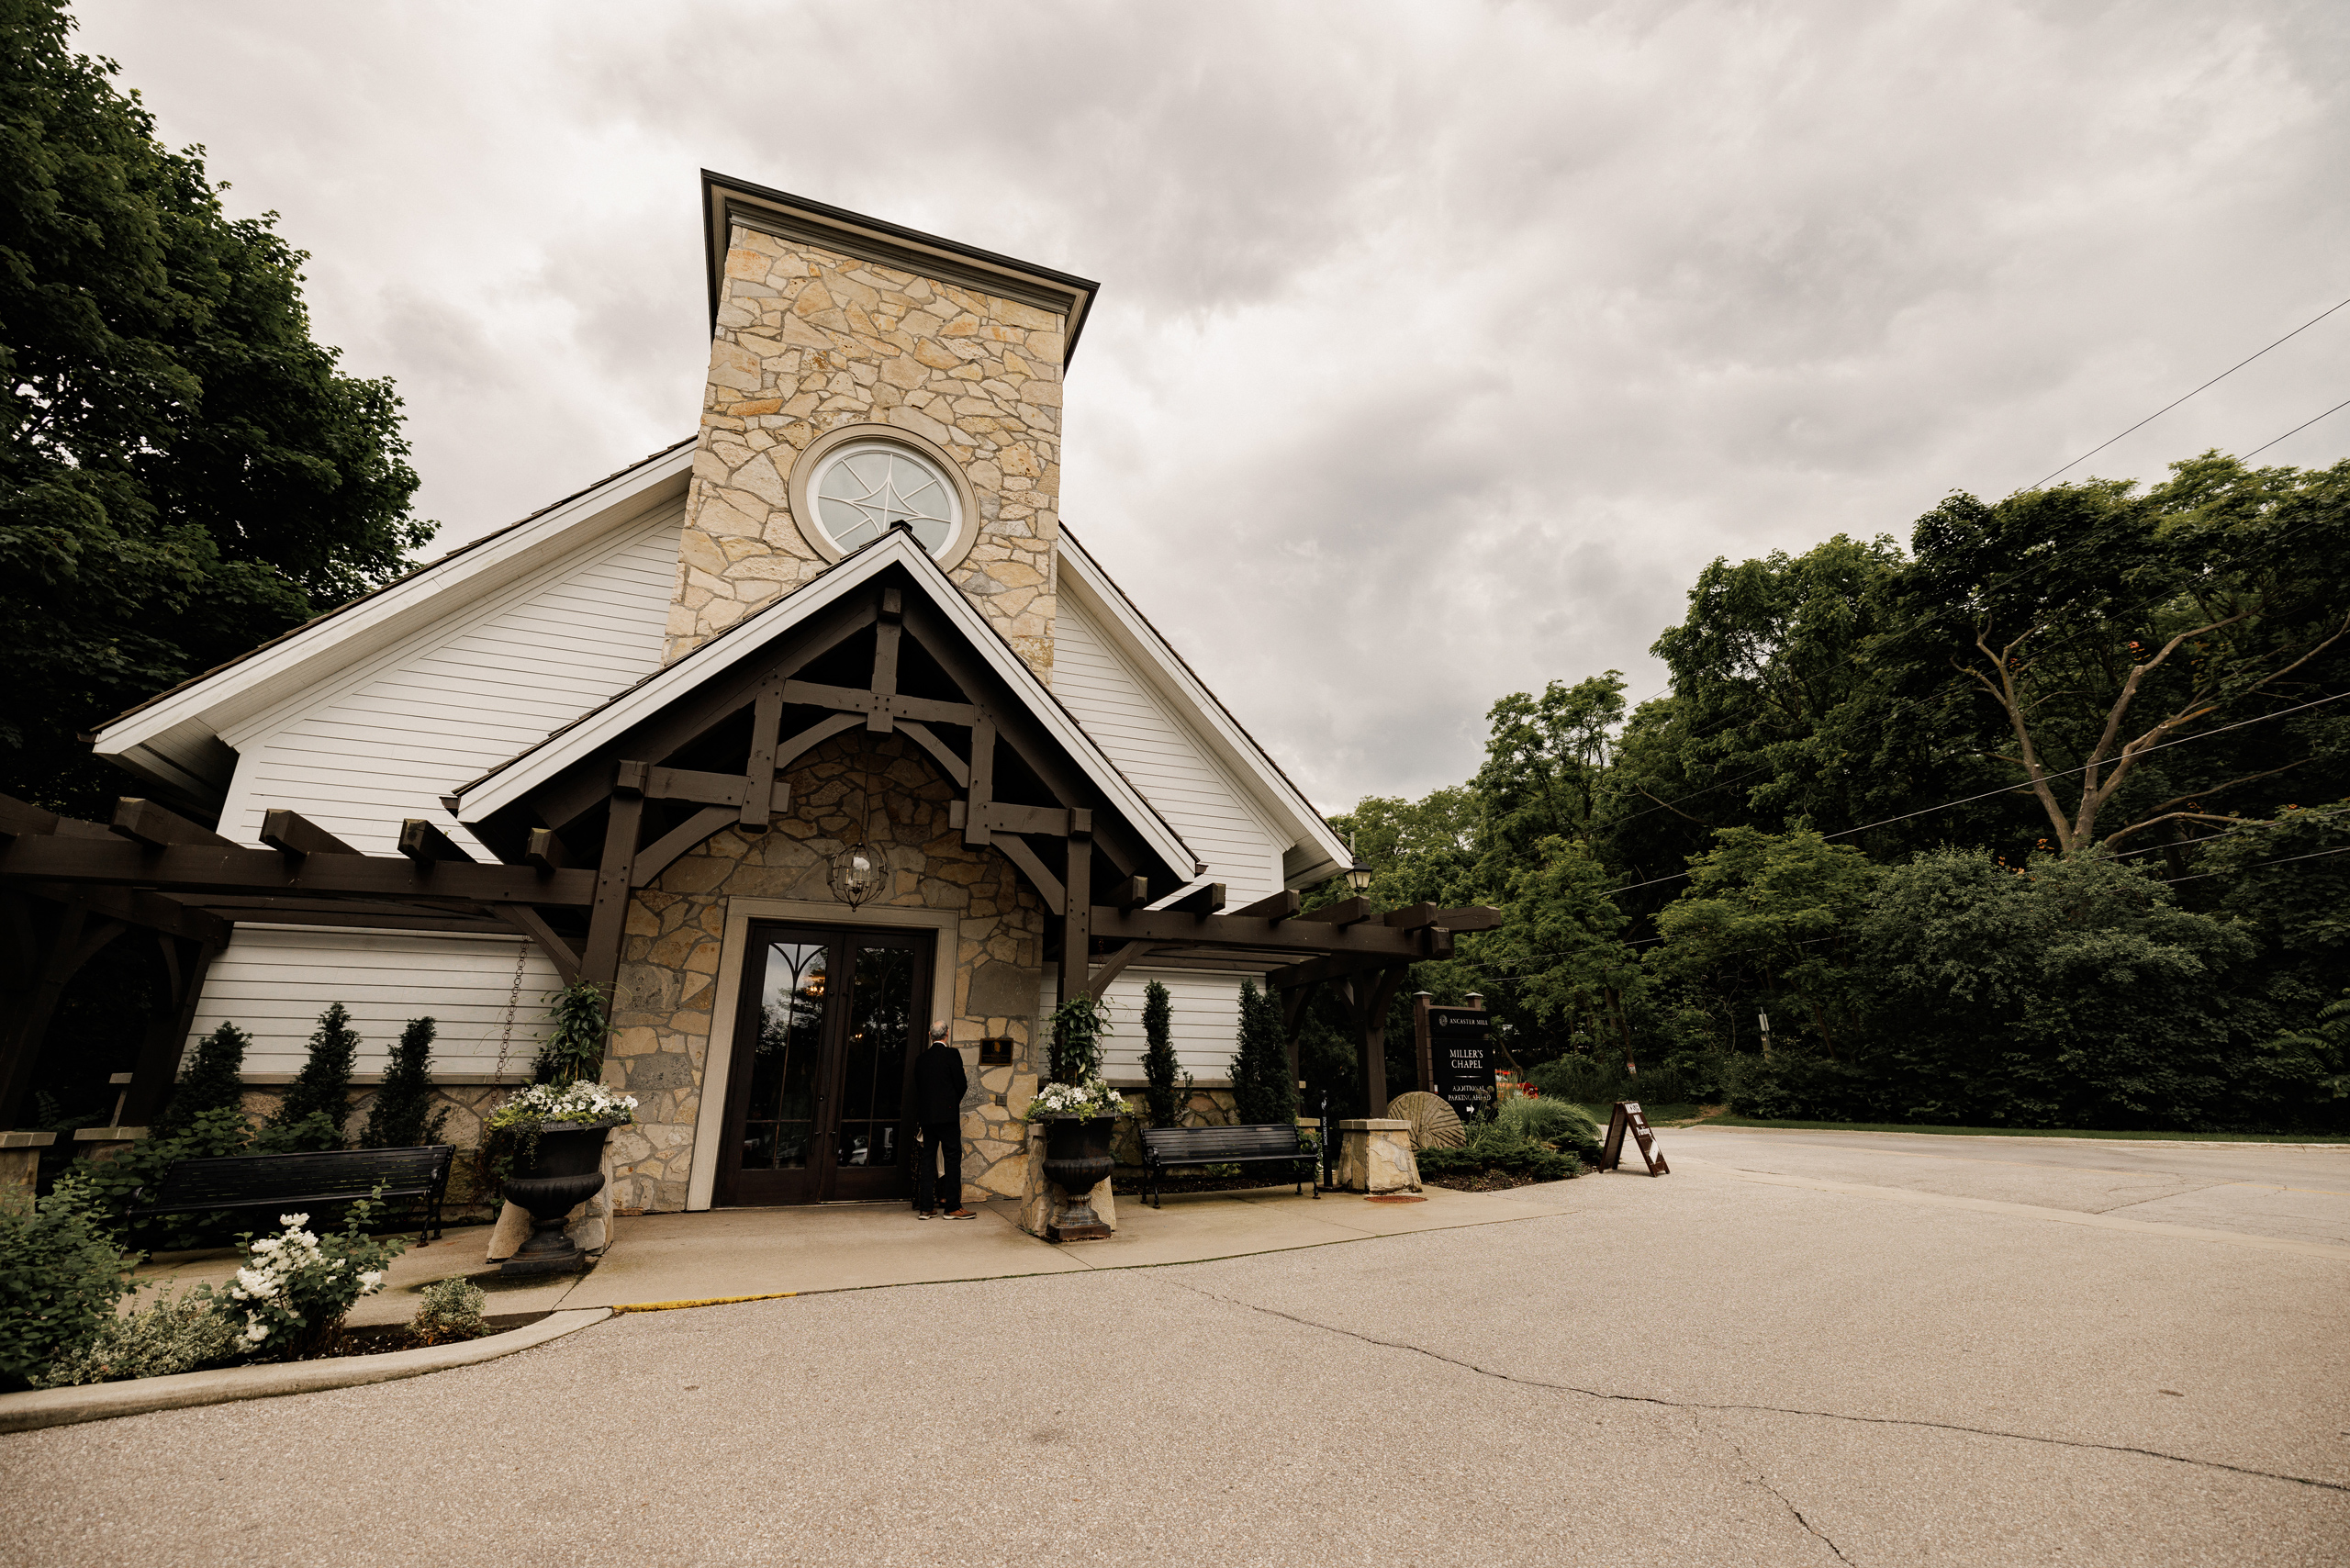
x=59, y=1278
x=1159, y=1068
x=402, y=1114
x=317, y=1102
x=573, y=1052
x=213, y=1081
x=1077, y=1028
x=449, y=1312
x=1263, y=1092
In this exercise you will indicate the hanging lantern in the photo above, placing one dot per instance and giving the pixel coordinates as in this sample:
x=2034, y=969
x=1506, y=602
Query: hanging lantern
x=857, y=874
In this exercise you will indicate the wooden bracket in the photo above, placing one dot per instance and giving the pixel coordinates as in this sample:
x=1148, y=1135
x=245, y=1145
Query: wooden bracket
x=427, y=845
x=545, y=851
x=1202, y=901
x=144, y=822
x=1346, y=912
x=1276, y=907
x=292, y=834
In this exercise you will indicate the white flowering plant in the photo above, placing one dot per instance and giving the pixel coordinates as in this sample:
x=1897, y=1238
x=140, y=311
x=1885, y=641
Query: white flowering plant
x=1092, y=1098
x=510, y=1132
x=296, y=1287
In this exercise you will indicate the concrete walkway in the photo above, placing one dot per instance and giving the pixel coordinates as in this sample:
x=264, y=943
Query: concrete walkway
x=1855, y=1360
x=834, y=1246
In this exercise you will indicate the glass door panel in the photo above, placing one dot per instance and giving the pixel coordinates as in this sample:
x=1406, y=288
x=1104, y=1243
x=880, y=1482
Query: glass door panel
x=780, y=1120
x=874, y=1060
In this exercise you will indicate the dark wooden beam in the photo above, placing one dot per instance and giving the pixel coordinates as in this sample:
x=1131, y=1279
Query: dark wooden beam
x=1283, y=905
x=413, y=917
x=157, y=1065
x=885, y=657
x=1200, y=902
x=1346, y=912
x=428, y=846
x=1314, y=971
x=144, y=822
x=663, y=852
x=196, y=869
x=135, y=906
x=1097, y=982
x=700, y=789
x=292, y=834
x=767, y=734
x=807, y=739
x=958, y=771
x=1048, y=886
x=1132, y=892
x=531, y=923
x=1077, y=917
x=545, y=851
x=1411, y=917
x=607, y=918
x=998, y=816
x=881, y=705
x=24, y=817
x=979, y=788
x=1306, y=939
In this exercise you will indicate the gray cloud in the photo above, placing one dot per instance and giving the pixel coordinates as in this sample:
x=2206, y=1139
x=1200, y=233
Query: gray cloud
x=1439, y=346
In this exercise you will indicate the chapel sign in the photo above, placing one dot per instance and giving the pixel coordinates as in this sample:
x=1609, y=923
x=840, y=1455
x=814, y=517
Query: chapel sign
x=1461, y=1057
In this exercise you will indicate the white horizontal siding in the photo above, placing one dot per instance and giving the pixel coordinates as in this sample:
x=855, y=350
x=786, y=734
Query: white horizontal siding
x=273, y=982
x=1141, y=732
x=410, y=726
x=1204, y=1010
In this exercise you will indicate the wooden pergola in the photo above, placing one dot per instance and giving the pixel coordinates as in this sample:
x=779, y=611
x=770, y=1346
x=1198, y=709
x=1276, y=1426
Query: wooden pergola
x=607, y=816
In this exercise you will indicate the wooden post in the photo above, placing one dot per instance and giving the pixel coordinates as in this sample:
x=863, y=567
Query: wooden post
x=159, y=1055
x=1077, y=907
x=1422, y=1053
x=41, y=971
x=607, y=918
x=767, y=734
x=982, y=789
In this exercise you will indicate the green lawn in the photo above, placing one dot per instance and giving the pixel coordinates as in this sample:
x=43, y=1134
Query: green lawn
x=1664, y=1116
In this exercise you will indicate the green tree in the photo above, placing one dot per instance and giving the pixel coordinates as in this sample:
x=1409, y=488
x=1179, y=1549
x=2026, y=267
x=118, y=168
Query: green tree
x=402, y=1113
x=59, y=1278
x=213, y=1081
x=317, y=1102
x=1546, y=762
x=1159, y=1068
x=1262, y=1090
x=1558, y=958
x=573, y=1052
x=183, y=473
x=1768, y=919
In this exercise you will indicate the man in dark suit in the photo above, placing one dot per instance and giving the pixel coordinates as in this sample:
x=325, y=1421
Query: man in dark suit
x=940, y=1083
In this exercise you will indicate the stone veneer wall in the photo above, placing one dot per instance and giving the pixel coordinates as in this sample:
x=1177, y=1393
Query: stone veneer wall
x=668, y=986
x=808, y=341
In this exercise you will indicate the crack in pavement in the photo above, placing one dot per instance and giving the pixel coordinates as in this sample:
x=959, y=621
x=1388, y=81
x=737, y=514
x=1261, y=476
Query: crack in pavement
x=1697, y=1425
x=1762, y=1409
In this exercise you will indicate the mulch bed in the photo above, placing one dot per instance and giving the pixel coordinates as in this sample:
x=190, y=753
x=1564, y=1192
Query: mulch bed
x=376, y=1338
x=1483, y=1182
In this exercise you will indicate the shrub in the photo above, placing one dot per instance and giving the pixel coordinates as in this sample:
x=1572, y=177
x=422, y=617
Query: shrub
x=296, y=1287
x=59, y=1278
x=573, y=1052
x=317, y=1102
x=402, y=1115
x=213, y=1081
x=1567, y=1128
x=1159, y=1068
x=1264, y=1092
x=171, y=1334
x=209, y=1135
x=449, y=1312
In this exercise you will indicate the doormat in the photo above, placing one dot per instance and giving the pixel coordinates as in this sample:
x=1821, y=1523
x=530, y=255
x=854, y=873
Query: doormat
x=1393, y=1198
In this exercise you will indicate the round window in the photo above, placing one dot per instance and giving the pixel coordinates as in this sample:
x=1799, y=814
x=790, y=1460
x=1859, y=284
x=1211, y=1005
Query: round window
x=860, y=489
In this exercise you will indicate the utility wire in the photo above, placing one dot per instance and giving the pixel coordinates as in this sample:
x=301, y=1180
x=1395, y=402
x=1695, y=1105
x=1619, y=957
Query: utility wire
x=2299, y=428
x=2284, y=860
x=2167, y=408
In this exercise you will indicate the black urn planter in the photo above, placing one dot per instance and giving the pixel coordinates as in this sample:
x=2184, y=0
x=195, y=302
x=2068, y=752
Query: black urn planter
x=564, y=1170
x=1077, y=1158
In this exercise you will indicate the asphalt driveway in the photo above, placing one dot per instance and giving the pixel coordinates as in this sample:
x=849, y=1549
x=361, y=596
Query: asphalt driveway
x=1780, y=1354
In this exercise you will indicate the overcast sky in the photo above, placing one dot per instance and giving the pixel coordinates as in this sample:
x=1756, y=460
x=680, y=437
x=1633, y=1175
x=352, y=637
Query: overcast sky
x=1439, y=345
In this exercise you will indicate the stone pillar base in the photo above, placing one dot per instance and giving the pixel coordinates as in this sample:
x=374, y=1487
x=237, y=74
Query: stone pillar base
x=1044, y=1202
x=105, y=1143
x=20, y=1162
x=1375, y=1156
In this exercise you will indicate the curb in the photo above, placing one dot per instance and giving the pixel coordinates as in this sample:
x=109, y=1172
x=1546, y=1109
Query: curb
x=101, y=1401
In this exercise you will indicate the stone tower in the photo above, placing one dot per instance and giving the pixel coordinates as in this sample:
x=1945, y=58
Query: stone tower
x=834, y=331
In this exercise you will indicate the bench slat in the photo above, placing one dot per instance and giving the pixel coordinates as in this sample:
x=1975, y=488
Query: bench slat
x=321, y=1176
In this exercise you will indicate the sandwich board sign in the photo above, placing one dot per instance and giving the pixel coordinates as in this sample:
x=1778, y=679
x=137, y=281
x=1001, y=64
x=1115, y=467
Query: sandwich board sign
x=1627, y=1118
x=1461, y=1057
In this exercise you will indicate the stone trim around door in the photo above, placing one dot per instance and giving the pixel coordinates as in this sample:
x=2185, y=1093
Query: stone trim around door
x=709, y=1121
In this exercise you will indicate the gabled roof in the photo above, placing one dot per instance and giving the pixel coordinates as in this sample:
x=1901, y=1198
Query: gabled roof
x=1321, y=852
x=727, y=201
x=509, y=783
x=147, y=737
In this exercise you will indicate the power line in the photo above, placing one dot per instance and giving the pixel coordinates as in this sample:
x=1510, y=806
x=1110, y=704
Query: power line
x=2299, y=428
x=2283, y=860
x=2167, y=408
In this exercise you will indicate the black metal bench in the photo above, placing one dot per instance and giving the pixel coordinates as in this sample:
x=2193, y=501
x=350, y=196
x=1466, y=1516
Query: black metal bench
x=1164, y=1148
x=420, y=1176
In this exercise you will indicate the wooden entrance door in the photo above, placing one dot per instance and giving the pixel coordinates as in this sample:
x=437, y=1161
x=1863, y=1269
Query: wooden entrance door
x=818, y=1103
